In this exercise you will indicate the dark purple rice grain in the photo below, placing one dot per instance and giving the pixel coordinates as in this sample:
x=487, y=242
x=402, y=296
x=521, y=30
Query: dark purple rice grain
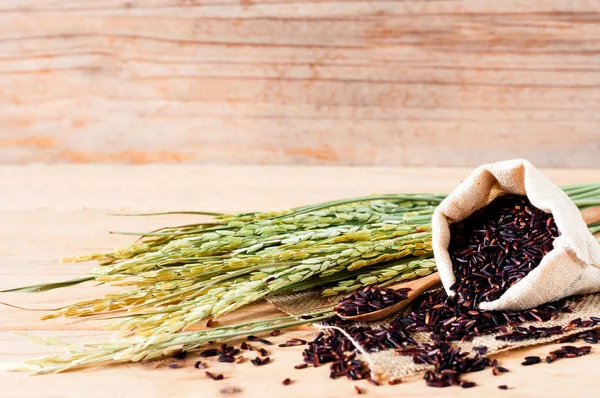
x=358, y=390
x=503, y=387
x=252, y=338
x=213, y=376
x=263, y=352
x=286, y=382
x=568, y=339
x=531, y=361
x=369, y=299
x=275, y=333
x=180, y=354
x=173, y=365
x=212, y=352
x=568, y=352
x=590, y=337
x=293, y=342
x=265, y=341
x=468, y=384
x=532, y=332
x=301, y=366
x=226, y=358
x=373, y=381
x=198, y=364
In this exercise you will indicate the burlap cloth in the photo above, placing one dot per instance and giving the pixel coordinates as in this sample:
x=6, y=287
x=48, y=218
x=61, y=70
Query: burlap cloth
x=384, y=364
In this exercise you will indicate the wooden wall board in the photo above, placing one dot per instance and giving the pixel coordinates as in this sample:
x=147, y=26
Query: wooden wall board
x=402, y=83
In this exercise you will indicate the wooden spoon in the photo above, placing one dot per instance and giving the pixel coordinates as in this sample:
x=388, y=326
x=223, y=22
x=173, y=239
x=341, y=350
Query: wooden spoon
x=417, y=287
x=590, y=216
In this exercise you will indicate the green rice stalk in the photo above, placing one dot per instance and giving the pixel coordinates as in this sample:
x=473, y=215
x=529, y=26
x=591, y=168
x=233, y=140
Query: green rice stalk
x=137, y=349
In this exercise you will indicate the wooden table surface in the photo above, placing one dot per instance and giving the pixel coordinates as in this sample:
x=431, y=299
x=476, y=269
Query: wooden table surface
x=48, y=212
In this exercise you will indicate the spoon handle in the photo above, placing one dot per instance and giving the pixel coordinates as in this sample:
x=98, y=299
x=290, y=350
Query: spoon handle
x=591, y=215
x=420, y=285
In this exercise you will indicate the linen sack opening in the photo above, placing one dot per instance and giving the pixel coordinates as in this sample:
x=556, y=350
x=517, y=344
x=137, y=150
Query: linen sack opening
x=571, y=267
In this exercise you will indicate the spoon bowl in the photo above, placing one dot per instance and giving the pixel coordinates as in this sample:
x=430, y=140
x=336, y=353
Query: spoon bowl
x=591, y=215
x=417, y=287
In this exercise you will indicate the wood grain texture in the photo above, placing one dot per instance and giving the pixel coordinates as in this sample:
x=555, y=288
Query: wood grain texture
x=413, y=83
x=49, y=212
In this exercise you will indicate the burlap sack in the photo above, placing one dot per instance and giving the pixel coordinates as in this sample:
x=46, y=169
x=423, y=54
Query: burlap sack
x=572, y=267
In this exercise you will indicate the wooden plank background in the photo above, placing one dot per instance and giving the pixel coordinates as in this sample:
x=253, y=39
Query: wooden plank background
x=413, y=83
